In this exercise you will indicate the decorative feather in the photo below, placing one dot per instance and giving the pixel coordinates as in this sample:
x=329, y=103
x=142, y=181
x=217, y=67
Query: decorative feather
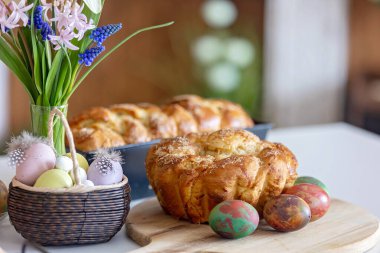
x=104, y=161
x=109, y=155
x=24, y=141
x=18, y=145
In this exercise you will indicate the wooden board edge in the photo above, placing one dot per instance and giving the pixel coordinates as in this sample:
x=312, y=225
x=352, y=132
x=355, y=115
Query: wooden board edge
x=363, y=245
x=139, y=238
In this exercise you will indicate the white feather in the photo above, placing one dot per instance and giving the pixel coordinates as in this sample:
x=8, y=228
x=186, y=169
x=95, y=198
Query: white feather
x=24, y=141
x=109, y=154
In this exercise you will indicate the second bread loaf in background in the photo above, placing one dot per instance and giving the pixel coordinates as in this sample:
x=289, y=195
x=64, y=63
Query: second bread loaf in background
x=124, y=124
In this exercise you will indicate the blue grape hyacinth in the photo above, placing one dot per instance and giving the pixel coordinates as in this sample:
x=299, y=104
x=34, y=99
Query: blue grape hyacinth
x=88, y=56
x=46, y=31
x=100, y=34
x=37, y=18
x=40, y=24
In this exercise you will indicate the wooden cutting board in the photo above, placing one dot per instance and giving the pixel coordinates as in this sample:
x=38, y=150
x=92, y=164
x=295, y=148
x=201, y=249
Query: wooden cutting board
x=345, y=228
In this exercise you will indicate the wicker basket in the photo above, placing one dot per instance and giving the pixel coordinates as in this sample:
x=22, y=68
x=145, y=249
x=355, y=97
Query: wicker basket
x=73, y=216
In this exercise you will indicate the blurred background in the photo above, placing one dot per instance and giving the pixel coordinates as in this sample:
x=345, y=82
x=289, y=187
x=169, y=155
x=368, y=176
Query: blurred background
x=289, y=62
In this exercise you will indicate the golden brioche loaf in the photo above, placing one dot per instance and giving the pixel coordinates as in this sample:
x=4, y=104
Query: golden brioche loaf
x=192, y=174
x=124, y=124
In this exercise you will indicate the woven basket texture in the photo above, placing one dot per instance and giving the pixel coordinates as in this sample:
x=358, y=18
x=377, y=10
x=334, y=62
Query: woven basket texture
x=58, y=219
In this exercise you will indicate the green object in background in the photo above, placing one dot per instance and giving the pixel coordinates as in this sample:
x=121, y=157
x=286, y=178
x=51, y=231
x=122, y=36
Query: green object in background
x=235, y=71
x=228, y=63
x=375, y=1
x=312, y=180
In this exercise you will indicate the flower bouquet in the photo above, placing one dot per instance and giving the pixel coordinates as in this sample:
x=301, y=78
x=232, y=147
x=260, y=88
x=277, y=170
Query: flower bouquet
x=52, y=46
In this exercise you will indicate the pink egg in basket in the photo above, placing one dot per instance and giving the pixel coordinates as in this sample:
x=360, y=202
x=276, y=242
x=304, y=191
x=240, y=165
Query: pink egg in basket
x=31, y=156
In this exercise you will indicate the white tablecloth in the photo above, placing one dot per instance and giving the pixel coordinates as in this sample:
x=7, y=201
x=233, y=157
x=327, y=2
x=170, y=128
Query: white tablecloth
x=346, y=158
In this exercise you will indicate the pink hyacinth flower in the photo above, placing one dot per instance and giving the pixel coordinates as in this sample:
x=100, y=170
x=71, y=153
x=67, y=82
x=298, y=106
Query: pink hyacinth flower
x=19, y=12
x=79, y=21
x=63, y=39
x=46, y=7
x=6, y=22
x=62, y=18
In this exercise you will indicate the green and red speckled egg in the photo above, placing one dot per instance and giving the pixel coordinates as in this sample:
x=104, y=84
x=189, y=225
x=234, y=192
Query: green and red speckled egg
x=312, y=180
x=317, y=199
x=287, y=213
x=233, y=219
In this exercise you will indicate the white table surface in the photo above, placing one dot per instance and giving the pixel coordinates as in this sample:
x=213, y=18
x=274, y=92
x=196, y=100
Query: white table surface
x=346, y=158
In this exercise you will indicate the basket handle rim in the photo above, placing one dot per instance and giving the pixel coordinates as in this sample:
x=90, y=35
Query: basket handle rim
x=56, y=112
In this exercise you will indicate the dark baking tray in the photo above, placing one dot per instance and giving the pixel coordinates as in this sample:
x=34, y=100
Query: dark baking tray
x=134, y=161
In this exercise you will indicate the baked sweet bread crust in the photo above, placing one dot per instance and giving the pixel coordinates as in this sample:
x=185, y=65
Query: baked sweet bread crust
x=207, y=116
x=214, y=114
x=97, y=135
x=192, y=174
x=184, y=120
x=124, y=124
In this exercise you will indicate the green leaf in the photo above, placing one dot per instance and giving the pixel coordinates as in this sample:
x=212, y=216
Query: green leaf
x=55, y=84
x=36, y=59
x=25, y=51
x=113, y=50
x=48, y=52
x=44, y=70
x=39, y=100
x=15, y=41
x=65, y=86
x=12, y=43
x=41, y=50
x=28, y=46
x=63, y=79
x=17, y=66
x=51, y=76
x=94, y=5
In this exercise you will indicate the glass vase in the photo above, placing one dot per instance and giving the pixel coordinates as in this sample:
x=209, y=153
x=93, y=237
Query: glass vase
x=40, y=118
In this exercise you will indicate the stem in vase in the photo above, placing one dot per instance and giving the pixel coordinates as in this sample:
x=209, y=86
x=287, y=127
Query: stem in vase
x=40, y=118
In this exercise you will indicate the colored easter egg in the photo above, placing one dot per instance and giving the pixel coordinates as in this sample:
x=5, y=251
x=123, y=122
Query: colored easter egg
x=3, y=199
x=233, y=219
x=82, y=175
x=33, y=161
x=64, y=163
x=312, y=180
x=88, y=183
x=54, y=179
x=317, y=199
x=287, y=213
x=81, y=160
x=105, y=171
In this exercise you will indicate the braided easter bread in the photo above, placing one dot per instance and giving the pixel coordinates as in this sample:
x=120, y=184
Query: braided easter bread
x=123, y=124
x=192, y=174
